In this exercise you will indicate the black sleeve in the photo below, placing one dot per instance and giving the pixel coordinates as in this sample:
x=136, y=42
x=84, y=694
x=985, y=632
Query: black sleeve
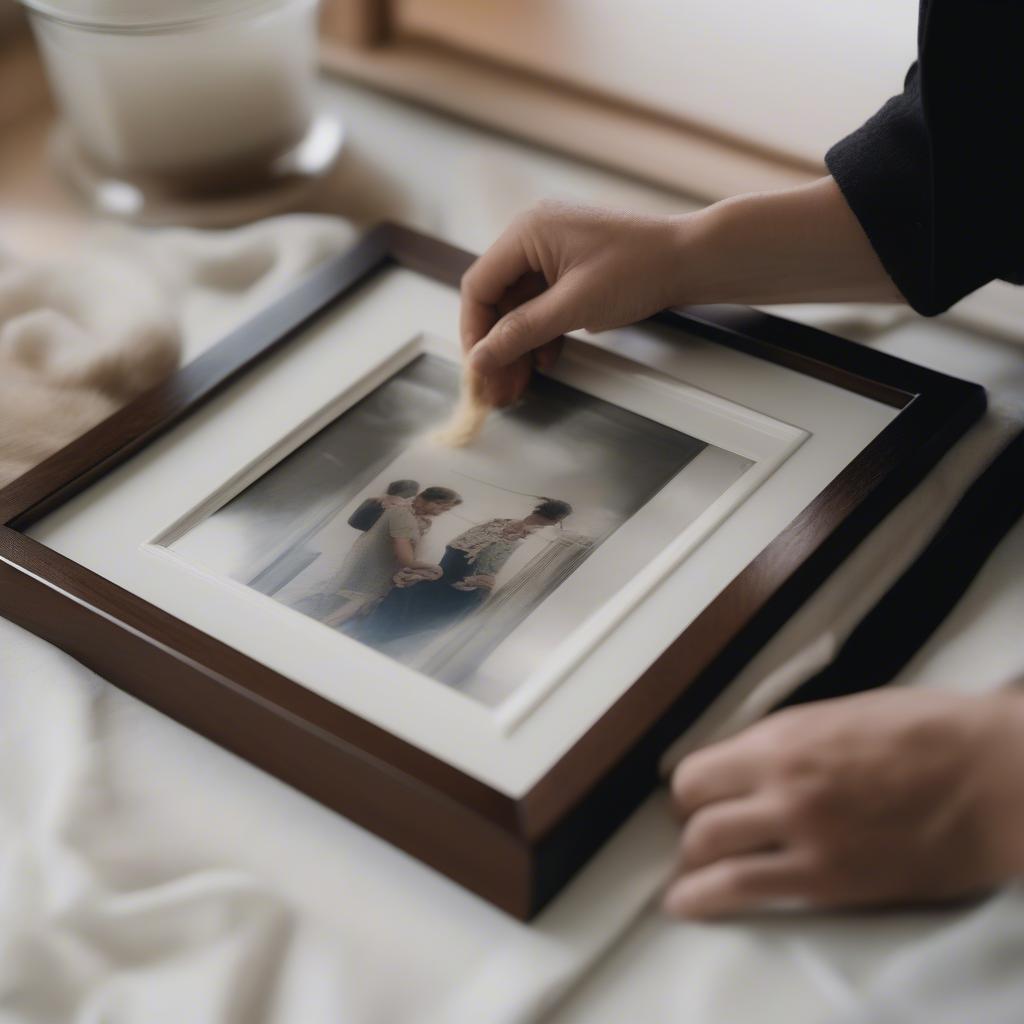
x=366, y=516
x=936, y=176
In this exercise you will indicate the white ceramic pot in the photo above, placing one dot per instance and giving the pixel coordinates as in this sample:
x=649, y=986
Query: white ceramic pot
x=189, y=91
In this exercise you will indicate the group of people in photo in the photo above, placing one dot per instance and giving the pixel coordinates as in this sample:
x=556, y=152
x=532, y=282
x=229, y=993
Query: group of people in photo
x=389, y=591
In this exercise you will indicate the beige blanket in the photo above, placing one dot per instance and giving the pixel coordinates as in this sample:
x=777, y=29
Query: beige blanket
x=76, y=341
x=81, y=336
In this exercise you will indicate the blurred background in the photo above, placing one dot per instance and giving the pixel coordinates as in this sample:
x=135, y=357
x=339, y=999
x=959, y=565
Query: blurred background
x=706, y=97
x=700, y=95
x=458, y=113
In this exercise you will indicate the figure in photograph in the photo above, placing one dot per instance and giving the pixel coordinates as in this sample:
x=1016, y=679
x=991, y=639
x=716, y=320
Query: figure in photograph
x=385, y=549
x=427, y=601
x=399, y=492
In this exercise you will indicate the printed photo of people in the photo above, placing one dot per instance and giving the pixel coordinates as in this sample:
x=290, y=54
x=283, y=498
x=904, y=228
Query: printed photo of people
x=438, y=556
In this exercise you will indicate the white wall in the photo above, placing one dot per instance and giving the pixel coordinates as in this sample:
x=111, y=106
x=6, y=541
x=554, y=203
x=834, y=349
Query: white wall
x=791, y=75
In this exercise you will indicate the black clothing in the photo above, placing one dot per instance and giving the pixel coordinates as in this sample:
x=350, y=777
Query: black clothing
x=366, y=515
x=936, y=176
x=426, y=606
x=919, y=601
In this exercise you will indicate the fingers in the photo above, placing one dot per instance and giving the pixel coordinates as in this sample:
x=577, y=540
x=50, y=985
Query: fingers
x=507, y=384
x=547, y=355
x=728, y=829
x=505, y=313
x=529, y=326
x=720, y=772
x=740, y=884
x=485, y=284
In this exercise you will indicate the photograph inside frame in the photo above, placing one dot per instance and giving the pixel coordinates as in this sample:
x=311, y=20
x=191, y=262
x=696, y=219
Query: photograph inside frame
x=466, y=564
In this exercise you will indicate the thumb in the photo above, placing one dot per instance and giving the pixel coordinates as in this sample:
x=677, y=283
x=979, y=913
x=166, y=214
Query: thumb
x=534, y=323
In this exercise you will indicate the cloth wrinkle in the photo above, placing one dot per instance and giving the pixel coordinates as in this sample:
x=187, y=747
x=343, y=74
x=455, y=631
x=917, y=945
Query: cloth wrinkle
x=75, y=943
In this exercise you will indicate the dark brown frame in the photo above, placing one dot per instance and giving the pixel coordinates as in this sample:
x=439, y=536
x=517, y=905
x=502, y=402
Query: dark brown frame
x=515, y=853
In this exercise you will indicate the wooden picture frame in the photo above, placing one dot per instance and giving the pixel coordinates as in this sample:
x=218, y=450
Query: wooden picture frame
x=517, y=853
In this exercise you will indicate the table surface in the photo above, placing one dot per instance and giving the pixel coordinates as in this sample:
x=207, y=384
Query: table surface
x=464, y=183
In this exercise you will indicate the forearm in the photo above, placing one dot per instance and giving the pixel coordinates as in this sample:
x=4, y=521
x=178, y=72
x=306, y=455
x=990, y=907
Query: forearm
x=795, y=245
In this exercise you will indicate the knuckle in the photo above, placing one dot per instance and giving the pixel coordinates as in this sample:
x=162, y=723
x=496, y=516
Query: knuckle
x=815, y=794
x=529, y=218
x=778, y=761
x=538, y=221
x=548, y=208
x=800, y=804
x=820, y=861
x=788, y=753
x=789, y=808
x=806, y=807
x=793, y=814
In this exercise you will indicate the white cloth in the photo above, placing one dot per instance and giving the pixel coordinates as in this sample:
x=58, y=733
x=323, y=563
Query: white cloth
x=848, y=968
x=148, y=875
x=968, y=970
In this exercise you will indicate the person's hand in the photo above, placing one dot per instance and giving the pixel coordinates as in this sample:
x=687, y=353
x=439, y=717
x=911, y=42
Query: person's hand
x=480, y=581
x=878, y=799
x=429, y=570
x=420, y=572
x=560, y=267
x=557, y=268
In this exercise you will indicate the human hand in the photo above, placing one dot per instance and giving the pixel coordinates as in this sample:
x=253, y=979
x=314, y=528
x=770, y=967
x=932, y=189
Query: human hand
x=418, y=573
x=557, y=268
x=883, y=798
x=560, y=267
x=481, y=581
x=431, y=570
